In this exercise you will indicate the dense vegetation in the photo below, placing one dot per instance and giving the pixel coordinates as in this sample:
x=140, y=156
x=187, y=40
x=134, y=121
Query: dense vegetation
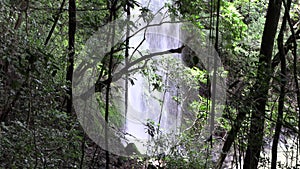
x=257, y=42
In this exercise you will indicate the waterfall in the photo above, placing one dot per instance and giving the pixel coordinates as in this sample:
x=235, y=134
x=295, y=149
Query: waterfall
x=155, y=108
x=144, y=102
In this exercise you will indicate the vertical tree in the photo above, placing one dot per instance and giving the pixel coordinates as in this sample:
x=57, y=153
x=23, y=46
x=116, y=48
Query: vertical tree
x=110, y=39
x=260, y=96
x=283, y=78
x=71, y=52
x=127, y=10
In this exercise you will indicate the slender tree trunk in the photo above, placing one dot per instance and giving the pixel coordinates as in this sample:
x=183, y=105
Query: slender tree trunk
x=70, y=66
x=112, y=16
x=244, y=109
x=255, y=140
x=82, y=151
x=294, y=52
x=282, y=54
x=213, y=93
x=127, y=57
x=231, y=136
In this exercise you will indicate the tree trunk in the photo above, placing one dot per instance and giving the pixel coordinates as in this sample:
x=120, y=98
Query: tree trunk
x=282, y=54
x=243, y=109
x=255, y=140
x=70, y=64
x=127, y=10
x=110, y=39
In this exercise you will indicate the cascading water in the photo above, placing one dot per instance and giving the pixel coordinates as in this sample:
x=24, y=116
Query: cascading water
x=144, y=100
x=154, y=103
x=145, y=103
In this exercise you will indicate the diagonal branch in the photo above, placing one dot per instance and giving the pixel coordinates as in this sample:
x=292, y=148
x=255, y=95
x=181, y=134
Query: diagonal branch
x=100, y=84
x=145, y=57
x=55, y=22
x=287, y=46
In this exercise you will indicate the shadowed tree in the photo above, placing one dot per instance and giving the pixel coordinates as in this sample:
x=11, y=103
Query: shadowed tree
x=261, y=87
x=70, y=63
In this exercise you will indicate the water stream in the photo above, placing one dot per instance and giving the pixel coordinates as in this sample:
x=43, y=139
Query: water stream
x=154, y=105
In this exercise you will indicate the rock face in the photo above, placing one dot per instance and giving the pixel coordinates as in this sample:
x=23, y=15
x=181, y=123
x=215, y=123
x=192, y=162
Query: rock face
x=131, y=149
x=190, y=59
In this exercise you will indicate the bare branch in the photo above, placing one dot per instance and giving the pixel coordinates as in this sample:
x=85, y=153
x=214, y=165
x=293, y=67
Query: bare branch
x=55, y=22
